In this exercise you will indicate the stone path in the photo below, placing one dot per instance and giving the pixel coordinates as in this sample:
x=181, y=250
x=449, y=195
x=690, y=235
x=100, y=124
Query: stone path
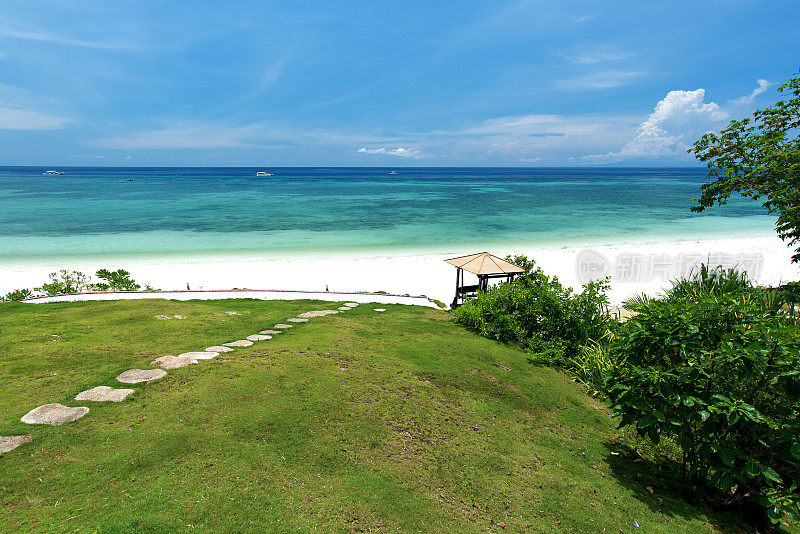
x=218, y=349
x=104, y=393
x=9, y=443
x=204, y=355
x=134, y=376
x=239, y=343
x=173, y=362
x=54, y=414
x=57, y=414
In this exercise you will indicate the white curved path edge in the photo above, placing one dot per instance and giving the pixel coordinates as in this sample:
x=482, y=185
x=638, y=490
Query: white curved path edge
x=262, y=294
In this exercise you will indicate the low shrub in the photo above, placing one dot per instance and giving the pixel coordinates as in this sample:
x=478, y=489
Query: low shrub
x=64, y=282
x=538, y=313
x=715, y=365
x=18, y=294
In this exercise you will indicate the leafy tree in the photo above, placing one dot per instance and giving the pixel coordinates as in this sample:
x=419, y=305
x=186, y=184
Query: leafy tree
x=64, y=282
x=119, y=280
x=758, y=158
x=714, y=365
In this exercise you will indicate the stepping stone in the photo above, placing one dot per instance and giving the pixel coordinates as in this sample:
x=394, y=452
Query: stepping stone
x=173, y=362
x=134, y=376
x=239, y=343
x=218, y=349
x=54, y=414
x=9, y=443
x=258, y=337
x=104, y=393
x=351, y=304
x=316, y=313
x=343, y=308
x=270, y=332
x=283, y=326
x=297, y=320
x=380, y=309
x=205, y=355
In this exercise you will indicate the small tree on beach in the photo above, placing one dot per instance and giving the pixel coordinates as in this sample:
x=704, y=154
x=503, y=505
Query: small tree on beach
x=758, y=158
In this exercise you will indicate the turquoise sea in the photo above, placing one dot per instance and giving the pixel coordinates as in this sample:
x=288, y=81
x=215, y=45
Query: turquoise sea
x=143, y=212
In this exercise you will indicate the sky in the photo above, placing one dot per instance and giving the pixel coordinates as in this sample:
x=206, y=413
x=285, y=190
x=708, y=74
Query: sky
x=413, y=83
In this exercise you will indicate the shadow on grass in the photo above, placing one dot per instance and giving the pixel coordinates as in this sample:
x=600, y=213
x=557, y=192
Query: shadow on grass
x=658, y=485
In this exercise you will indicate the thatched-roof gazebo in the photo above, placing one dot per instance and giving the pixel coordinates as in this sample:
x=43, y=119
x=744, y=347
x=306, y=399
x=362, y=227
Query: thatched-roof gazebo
x=486, y=266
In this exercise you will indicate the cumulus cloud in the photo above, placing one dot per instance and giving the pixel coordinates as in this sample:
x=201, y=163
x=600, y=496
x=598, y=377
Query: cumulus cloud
x=399, y=152
x=763, y=85
x=676, y=116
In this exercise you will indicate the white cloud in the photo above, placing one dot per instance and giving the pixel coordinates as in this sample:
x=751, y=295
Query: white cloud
x=399, y=152
x=607, y=79
x=530, y=160
x=593, y=55
x=185, y=135
x=14, y=30
x=763, y=85
x=13, y=118
x=676, y=116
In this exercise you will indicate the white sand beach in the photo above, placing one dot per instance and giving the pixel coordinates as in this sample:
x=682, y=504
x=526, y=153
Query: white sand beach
x=633, y=268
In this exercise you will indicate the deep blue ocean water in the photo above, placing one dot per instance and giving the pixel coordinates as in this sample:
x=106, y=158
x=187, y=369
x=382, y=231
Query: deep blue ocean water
x=202, y=211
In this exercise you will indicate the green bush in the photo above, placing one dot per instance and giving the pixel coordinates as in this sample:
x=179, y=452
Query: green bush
x=714, y=365
x=64, y=282
x=119, y=280
x=18, y=294
x=539, y=314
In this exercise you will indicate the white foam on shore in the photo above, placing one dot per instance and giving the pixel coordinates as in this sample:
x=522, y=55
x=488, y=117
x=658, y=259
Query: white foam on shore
x=634, y=268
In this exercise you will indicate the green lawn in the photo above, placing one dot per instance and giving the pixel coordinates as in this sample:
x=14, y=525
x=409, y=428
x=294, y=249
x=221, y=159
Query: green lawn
x=357, y=422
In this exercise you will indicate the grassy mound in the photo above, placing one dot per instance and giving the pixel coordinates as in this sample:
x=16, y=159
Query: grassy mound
x=363, y=421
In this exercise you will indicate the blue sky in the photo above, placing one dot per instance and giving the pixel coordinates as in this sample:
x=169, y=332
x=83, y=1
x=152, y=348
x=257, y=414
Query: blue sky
x=518, y=83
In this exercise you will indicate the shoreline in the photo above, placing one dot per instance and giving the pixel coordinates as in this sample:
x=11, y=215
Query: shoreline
x=634, y=267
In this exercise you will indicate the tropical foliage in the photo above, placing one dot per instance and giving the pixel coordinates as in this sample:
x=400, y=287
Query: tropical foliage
x=64, y=282
x=540, y=314
x=759, y=158
x=714, y=365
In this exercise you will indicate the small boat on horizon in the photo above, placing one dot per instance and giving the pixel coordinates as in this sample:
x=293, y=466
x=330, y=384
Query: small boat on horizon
x=393, y=172
x=263, y=173
x=46, y=173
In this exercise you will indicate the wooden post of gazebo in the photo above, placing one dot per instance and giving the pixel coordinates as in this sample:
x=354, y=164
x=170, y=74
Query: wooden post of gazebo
x=486, y=266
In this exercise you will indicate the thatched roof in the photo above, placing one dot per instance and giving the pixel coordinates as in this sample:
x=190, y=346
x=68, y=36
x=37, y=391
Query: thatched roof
x=485, y=263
